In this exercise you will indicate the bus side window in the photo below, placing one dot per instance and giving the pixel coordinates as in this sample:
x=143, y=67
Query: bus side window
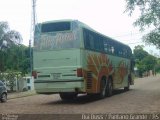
x=109, y=48
x=96, y=41
x=87, y=39
x=123, y=51
x=101, y=45
x=91, y=41
x=85, y=36
x=116, y=50
x=105, y=48
x=112, y=50
x=120, y=53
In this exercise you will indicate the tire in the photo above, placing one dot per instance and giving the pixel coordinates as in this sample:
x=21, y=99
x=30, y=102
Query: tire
x=128, y=87
x=109, y=88
x=68, y=96
x=4, y=97
x=103, y=87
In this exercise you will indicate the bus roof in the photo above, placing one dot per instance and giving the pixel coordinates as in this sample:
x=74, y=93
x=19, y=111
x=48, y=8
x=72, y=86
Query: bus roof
x=91, y=29
x=83, y=25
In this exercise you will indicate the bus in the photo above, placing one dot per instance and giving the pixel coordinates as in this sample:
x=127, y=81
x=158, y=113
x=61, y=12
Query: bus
x=71, y=58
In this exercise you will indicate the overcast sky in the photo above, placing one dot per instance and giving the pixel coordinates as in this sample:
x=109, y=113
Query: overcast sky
x=105, y=16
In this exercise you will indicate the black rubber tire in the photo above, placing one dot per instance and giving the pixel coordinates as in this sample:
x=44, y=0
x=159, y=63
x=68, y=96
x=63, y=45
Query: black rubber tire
x=128, y=87
x=103, y=87
x=3, y=97
x=109, y=88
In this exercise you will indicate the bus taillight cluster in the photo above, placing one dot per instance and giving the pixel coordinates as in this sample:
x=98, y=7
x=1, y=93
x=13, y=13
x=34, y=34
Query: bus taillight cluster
x=79, y=72
x=34, y=74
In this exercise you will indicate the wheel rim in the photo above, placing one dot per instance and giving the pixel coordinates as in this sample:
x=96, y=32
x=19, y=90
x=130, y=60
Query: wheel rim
x=110, y=88
x=103, y=88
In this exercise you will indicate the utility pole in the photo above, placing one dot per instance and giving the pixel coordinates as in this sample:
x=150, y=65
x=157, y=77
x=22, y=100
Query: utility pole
x=32, y=30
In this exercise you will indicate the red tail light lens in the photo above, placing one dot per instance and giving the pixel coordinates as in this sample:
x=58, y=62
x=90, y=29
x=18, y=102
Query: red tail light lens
x=79, y=72
x=34, y=74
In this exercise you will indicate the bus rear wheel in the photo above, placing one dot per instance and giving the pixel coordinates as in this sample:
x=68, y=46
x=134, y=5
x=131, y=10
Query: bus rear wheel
x=109, y=88
x=68, y=96
x=128, y=84
x=103, y=87
x=127, y=87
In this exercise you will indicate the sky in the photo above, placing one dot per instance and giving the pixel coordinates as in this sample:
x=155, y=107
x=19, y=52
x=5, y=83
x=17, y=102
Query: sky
x=105, y=16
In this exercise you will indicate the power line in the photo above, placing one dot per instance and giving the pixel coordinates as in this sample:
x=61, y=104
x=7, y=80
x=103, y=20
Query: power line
x=135, y=43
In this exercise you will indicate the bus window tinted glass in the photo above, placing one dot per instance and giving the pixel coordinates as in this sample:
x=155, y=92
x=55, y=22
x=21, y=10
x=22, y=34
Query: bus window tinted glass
x=53, y=27
x=92, y=40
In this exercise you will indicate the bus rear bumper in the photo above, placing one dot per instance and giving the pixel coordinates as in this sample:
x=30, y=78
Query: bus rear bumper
x=51, y=87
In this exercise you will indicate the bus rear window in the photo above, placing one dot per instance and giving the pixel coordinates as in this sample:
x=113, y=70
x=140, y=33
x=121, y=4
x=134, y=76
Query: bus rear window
x=53, y=27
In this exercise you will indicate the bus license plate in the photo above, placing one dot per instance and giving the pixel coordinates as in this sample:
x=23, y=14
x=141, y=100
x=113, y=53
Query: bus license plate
x=56, y=75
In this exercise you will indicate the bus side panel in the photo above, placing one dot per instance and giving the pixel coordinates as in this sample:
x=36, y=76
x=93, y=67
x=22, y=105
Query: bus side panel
x=121, y=71
x=98, y=65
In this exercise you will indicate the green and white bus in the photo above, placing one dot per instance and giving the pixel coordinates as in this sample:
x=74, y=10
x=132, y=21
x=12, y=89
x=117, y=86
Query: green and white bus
x=70, y=58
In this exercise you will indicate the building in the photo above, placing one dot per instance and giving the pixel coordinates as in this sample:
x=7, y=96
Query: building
x=24, y=84
x=30, y=83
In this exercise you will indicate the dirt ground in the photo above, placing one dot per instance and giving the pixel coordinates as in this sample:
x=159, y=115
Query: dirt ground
x=144, y=97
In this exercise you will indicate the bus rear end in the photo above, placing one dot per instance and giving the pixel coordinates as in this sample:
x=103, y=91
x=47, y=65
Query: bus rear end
x=57, y=59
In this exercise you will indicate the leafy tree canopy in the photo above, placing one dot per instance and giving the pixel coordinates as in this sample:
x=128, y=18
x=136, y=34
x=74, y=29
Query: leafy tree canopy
x=144, y=61
x=8, y=37
x=13, y=55
x=16, y=58
x=139, y=53
x=150, y=17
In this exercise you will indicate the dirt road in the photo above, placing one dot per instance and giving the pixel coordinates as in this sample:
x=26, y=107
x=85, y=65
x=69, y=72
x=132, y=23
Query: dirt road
x=144, y=97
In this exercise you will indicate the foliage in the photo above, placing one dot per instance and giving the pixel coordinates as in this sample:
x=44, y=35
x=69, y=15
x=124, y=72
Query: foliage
x=139, y=53
x=157, y=68
x=10, y=76
x=144, y=61
x=149, y=62
x=8, y=37
x=150, y=17
x=14, y=56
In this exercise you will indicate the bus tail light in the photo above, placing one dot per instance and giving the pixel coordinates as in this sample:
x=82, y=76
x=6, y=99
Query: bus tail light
x=79, y=72
x=34, y=74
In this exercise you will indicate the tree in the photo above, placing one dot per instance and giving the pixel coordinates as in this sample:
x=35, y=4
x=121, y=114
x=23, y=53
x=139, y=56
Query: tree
x=11, y=79
x=149, y=62
x=8, y=38
x=150, y=17
x=14, y=57
x=157, y=67
x=139, y=53
x=20, y=55
x=144, y=61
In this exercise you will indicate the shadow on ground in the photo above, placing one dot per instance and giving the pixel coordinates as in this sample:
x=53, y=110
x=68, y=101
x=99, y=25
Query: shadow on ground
x=83, y=99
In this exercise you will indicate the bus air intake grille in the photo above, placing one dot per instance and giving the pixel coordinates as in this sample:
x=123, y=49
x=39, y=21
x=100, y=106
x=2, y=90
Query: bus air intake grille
x=89, y=80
